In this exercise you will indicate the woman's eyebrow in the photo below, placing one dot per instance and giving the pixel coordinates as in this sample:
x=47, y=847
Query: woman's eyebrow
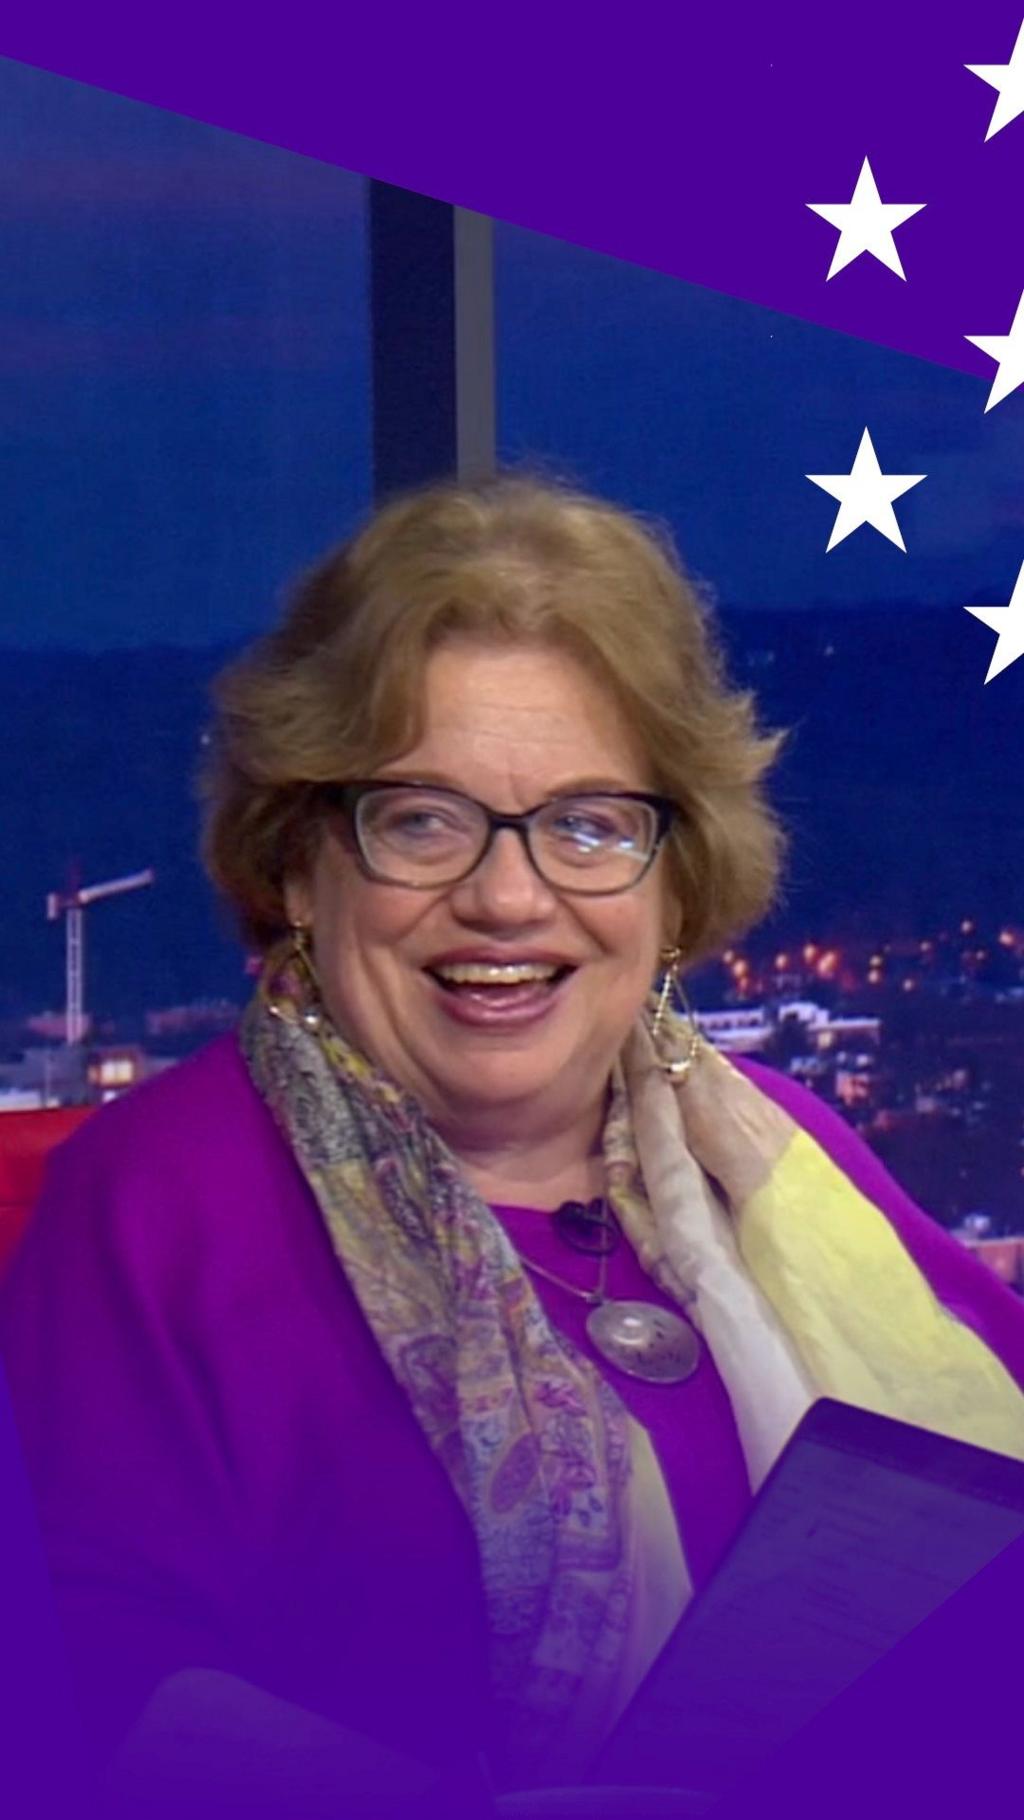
x=574, y=786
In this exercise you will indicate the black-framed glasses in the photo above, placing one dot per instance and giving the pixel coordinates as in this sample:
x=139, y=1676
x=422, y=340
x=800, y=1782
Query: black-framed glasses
x=423, y=836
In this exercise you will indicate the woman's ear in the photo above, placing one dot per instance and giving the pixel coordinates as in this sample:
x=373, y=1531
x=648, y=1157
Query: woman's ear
x=298, y=902
x=673, y=927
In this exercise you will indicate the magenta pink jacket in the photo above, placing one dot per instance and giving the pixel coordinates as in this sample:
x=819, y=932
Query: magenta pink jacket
x=227, y=1474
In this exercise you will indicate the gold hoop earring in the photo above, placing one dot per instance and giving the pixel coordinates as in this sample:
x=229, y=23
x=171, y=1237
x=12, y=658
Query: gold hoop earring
x=679, y=1068
x=302, y=952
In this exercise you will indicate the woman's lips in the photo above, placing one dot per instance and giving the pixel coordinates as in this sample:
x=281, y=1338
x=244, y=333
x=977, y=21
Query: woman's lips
x=500, y=1007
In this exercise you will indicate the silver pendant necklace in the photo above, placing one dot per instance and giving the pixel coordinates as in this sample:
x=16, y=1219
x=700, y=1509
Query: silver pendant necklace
x=638, y=1338
x=644, y=1341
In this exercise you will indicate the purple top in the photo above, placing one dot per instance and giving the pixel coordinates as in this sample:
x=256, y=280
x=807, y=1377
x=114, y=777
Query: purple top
x=692, y=1424
x=227, y=1473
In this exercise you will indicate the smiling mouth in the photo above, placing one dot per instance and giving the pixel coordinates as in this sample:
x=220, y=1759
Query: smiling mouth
x=498, y=987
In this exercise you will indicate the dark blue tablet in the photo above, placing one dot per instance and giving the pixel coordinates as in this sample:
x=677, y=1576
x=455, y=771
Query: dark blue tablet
x=864, y=1527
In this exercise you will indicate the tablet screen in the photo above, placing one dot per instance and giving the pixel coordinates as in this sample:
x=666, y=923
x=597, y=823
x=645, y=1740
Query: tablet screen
x=863, y=1528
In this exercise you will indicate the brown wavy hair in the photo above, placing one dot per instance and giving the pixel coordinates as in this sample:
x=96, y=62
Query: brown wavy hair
x=336, y=689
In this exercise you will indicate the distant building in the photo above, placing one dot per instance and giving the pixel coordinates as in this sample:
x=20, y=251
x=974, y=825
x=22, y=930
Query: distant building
x=736, y=1032
x=52, y=1025
x=21, y=1099
x=75, y=1075
x=52, y=1075
x=826, y=1031
x=748, y=1029
x=854, y=1086
x=116, y=1068
x=205, y=1015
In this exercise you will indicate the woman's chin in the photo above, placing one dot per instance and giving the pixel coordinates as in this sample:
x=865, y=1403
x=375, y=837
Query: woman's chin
x=493, y=1078
x=485, y=1078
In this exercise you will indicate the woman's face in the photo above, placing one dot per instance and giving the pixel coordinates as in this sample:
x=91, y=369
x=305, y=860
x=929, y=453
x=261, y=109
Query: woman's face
x=511, y=727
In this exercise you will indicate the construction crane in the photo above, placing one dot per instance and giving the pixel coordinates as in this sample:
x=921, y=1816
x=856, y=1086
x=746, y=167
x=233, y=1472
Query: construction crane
x=72, y=903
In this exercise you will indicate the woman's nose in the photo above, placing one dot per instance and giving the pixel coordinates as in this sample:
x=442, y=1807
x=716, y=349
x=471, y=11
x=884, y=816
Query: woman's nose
x=506, y=879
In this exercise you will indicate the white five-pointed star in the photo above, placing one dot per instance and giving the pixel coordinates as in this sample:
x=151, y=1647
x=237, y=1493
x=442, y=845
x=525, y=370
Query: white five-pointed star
x=866, y=224
x=1008, y=351
x=865, y=496
x=1008, y=81
x=1009, y=623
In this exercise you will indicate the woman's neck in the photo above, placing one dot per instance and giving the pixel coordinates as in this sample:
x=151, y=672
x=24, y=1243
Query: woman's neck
x=534, y=1169
x=506, y=1188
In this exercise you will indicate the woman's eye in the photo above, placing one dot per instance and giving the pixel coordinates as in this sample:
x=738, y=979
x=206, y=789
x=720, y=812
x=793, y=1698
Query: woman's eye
x=586, y=828
x=419, y=821
x=429, y=823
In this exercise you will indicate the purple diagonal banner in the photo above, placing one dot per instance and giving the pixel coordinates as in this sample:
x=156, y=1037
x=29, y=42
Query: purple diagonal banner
x=683, y=140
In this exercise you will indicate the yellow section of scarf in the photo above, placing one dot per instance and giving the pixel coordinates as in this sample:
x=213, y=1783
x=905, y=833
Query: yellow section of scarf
x=856, y=1318
x=866, y=1322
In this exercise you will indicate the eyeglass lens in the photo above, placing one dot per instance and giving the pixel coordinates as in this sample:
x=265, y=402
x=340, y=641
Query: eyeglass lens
x=421, y=836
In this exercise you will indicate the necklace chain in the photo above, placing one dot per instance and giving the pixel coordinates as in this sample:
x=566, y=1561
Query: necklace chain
x=593, y=1297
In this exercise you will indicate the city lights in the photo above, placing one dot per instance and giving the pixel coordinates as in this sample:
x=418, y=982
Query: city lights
x=917, y=1038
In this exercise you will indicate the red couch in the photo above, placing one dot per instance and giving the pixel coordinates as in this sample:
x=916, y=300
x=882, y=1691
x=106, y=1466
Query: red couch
x=25, y=1140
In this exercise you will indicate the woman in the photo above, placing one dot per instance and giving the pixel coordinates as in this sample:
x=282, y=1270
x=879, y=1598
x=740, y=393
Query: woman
x=414, y=1354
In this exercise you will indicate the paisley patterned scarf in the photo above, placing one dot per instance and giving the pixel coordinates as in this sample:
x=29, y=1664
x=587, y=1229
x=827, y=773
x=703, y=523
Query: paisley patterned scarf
x=797, y=1283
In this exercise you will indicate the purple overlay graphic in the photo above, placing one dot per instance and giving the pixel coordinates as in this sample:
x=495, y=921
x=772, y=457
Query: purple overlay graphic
x=188, y=420
x=692, y=145
x=41, y=1750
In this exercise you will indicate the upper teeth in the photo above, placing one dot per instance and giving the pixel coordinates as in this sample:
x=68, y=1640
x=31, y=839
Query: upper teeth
x=489, y=973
